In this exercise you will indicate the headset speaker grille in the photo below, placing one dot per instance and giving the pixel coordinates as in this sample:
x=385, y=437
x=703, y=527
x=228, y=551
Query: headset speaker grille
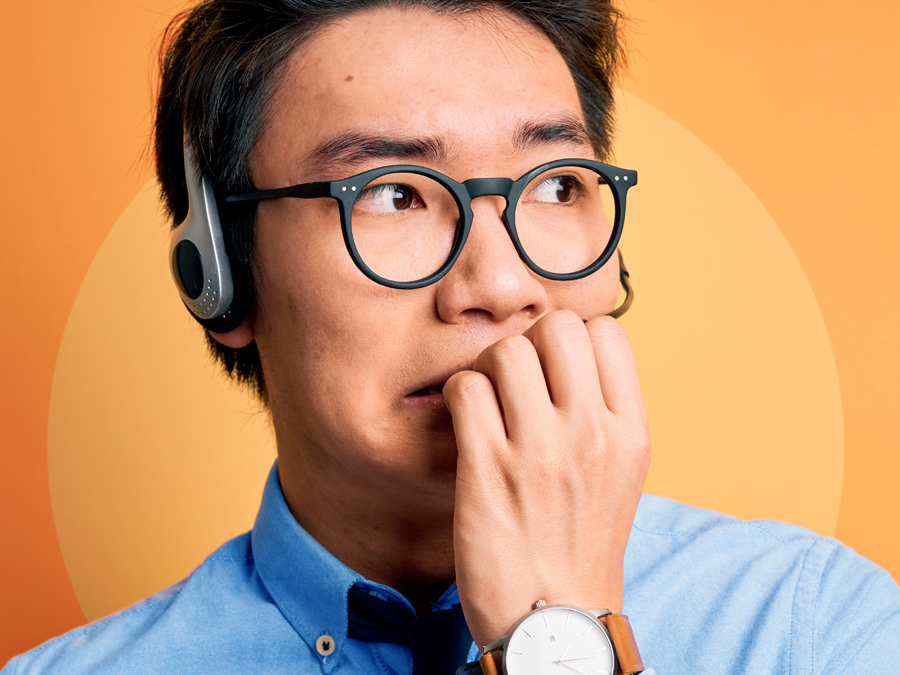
x=188, y=268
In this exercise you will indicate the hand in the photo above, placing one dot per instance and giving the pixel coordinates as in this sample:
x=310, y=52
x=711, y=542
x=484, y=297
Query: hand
x=553, y=452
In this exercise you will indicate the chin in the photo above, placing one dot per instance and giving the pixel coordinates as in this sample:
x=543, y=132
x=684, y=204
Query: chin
x=434, y=468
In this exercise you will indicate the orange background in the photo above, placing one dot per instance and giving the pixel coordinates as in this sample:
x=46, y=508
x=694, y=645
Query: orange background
x=799, y=98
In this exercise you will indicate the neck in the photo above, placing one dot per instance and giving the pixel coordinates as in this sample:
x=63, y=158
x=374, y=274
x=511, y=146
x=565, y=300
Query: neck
x=396, y=535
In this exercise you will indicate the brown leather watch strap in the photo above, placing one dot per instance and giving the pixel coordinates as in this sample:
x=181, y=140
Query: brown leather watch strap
x=627, y=653
x=488, y=666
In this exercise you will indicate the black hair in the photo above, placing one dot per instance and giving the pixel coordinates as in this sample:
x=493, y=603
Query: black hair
x=221, y=61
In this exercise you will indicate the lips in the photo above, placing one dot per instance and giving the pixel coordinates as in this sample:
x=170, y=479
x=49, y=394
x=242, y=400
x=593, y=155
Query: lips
x=435, y=385
x=427, y=391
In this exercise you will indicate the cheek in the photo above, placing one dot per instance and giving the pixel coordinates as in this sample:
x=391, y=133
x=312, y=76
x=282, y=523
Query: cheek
x=322, y=326
x=301, y=261
x=296, y=236
x=589, y=297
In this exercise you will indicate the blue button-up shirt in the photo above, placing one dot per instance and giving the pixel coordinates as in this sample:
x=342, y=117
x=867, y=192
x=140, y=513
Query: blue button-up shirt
x=705, y=593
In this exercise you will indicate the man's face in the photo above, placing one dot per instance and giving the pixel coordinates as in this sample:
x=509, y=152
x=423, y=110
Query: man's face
x=342, y=354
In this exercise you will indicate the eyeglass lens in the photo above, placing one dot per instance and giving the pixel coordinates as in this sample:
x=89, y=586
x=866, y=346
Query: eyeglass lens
x=405, y=225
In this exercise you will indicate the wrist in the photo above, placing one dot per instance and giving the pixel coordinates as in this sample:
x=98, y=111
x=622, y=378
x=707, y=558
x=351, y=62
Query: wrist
x=494, y=628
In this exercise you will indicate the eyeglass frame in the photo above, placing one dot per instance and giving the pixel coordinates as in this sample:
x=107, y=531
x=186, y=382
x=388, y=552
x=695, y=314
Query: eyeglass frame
x=346, y=191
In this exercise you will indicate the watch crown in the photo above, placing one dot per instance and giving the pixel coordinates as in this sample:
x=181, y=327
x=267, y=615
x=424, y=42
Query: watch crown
x=539, y=604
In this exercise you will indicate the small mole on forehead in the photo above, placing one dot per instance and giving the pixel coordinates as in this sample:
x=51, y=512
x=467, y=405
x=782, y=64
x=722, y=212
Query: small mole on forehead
x=349, y=78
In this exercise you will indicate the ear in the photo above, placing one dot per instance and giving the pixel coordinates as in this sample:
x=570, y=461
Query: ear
x=239, y=337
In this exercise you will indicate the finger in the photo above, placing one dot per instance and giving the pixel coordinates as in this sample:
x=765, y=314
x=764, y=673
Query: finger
x=477, y=421
x=616, y=368
x=515, y=371
x=567, y=359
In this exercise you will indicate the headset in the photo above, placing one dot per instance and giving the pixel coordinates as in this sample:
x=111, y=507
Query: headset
x=198, y=257
x=201, y=267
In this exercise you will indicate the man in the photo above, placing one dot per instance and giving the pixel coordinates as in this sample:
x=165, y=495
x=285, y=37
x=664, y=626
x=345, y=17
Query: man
x=461, y=435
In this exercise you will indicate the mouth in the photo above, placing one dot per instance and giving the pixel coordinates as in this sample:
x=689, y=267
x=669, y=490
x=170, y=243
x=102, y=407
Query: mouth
x=433, y=389
x=429, y=391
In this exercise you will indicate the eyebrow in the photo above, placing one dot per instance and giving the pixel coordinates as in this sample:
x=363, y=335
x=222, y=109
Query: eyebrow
x=355, y=147
x=566, y=129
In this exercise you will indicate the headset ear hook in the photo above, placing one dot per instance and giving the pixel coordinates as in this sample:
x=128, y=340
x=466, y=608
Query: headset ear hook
x=624, y=279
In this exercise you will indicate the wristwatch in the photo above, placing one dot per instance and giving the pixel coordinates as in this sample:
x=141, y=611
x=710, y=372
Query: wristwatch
x=566, y=640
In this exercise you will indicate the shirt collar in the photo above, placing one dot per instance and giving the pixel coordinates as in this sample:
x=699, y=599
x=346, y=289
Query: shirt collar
x=307, y=583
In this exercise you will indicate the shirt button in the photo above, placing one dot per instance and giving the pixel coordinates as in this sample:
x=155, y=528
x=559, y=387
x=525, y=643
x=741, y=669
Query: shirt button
x=325, y=645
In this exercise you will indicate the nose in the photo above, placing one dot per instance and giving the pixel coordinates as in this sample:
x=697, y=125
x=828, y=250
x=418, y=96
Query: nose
x=489, y=278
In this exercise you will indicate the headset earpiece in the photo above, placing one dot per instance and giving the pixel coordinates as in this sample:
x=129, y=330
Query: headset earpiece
x=199, y=261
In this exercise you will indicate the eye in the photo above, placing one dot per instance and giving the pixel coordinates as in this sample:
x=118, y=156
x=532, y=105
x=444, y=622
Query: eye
x=556, y=190
x=389, y=198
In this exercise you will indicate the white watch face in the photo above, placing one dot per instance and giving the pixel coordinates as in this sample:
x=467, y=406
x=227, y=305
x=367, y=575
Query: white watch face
x=559, y=641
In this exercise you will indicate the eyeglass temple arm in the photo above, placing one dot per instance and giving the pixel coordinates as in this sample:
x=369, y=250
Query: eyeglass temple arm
x=629, y=291
x=304, y=191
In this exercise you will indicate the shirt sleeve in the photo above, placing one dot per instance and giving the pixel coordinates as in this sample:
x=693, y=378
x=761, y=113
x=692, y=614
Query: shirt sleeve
x=856, y=617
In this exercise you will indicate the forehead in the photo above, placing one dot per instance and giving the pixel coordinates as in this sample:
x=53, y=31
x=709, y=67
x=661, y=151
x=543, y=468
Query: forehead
x=471, y=81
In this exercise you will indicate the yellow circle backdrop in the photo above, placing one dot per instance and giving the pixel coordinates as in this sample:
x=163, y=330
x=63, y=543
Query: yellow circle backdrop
x=155, y=459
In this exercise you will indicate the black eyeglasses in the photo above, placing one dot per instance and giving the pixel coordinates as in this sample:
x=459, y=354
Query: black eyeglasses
x=405, y=225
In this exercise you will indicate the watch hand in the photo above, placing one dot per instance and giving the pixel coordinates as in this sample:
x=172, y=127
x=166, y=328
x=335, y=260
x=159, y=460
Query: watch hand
x=572, y=667
x=563, y=655
x=580, y=658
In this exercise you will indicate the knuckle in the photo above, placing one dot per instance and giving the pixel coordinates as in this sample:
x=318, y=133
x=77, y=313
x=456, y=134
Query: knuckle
x=645, y=447
x=593, y=424
x=513, y=349
x=467, y=385
x=561, y=322
x=640, y=446
x=564, y=319
x=605, y=328
x=629, y=444
x=642, y=438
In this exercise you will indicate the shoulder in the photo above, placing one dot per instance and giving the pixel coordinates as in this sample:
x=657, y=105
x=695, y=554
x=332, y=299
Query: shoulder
x=669, y=518
x=811, y=601
x=176, y=620
x=716, y=564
